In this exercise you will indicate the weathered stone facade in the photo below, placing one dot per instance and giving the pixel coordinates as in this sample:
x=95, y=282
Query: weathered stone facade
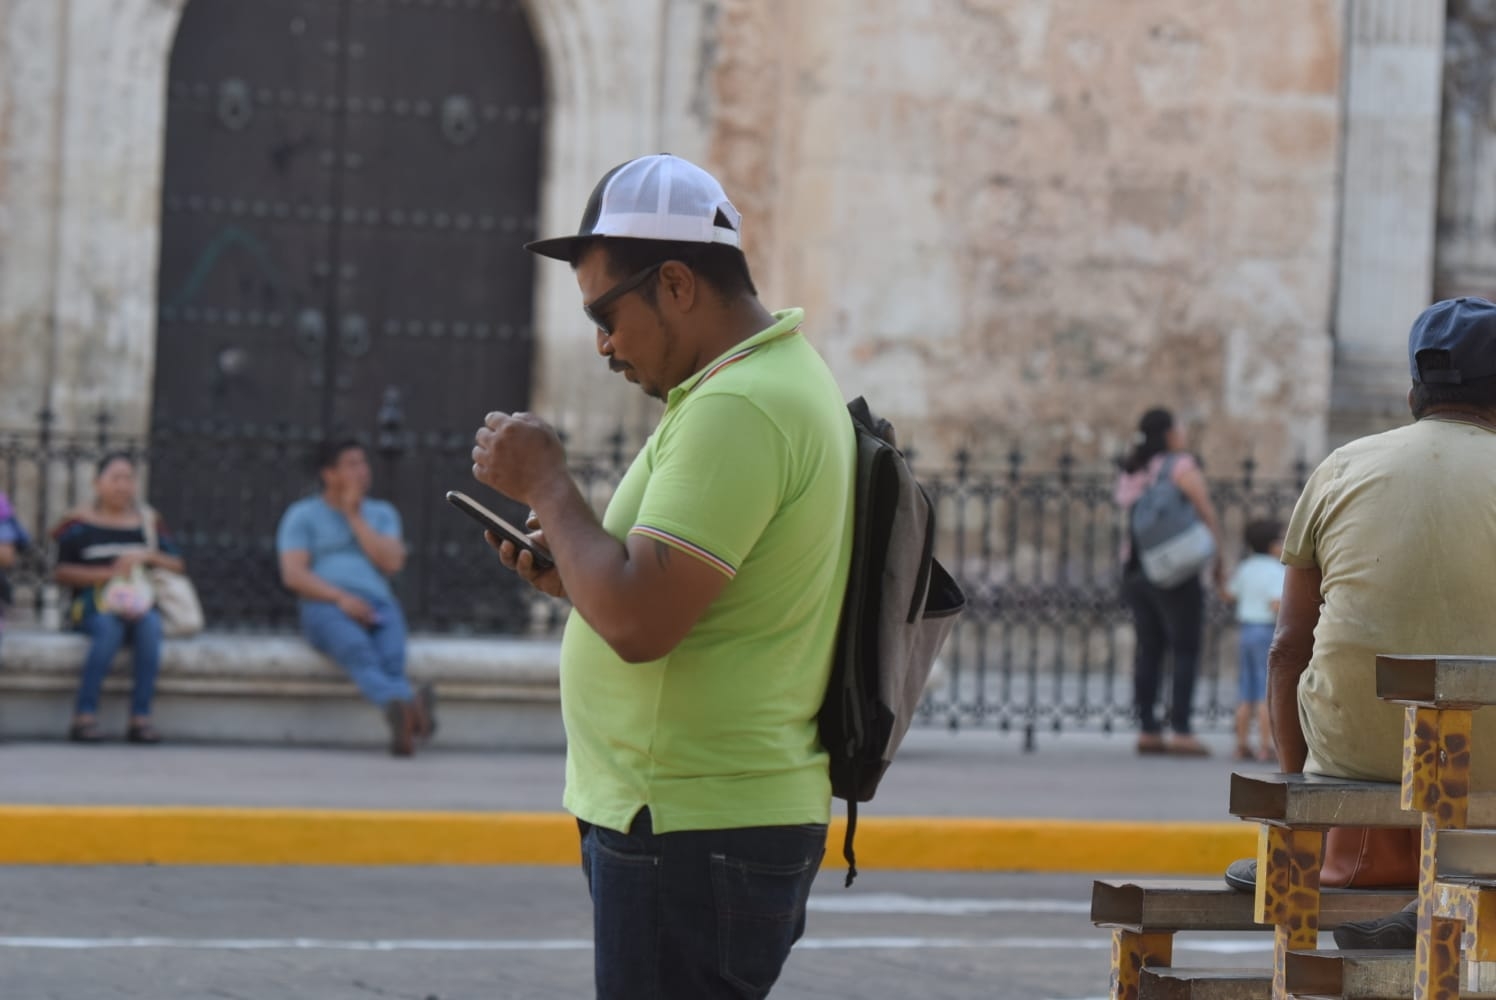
x=1466, y=262
x=1012, y=222
x=1032, y=219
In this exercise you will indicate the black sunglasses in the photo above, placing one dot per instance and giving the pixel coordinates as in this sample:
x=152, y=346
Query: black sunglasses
x=596, y=309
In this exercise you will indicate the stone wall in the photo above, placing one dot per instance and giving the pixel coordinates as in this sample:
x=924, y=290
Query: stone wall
x=1013, y=222
x=82, y=97
x=1466, y=253
x=1035, y=218
x=80, y=138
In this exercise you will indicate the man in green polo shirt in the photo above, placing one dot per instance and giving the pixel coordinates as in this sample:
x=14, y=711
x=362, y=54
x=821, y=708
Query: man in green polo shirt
x=705, y=602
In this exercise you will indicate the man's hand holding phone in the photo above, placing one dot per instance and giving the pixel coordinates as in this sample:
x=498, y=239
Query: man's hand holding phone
x=546, y=580
x=524, y=552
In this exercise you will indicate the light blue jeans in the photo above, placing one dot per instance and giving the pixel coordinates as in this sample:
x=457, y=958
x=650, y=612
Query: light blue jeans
x=374, y=656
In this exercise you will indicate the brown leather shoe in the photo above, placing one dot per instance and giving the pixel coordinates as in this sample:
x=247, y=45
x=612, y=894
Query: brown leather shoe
x=426, y=700
x=402, y=717
x=1185, y=745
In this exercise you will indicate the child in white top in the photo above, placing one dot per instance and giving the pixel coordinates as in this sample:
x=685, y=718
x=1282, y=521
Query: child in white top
x=1256, y=588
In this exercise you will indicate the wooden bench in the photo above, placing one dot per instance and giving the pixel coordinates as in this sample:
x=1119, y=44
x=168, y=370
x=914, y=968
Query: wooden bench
x=1456, y=866
x=1144, y=916
x=1457, y=883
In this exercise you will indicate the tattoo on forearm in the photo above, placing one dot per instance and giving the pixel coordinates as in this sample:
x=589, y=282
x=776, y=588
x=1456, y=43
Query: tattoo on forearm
x=662, y=555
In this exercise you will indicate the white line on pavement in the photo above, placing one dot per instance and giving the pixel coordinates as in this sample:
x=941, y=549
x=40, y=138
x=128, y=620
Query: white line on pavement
x=894, y=902
x=581, y=944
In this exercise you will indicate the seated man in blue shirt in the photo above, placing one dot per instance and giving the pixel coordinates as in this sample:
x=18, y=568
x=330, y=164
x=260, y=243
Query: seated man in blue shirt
x=337, y=552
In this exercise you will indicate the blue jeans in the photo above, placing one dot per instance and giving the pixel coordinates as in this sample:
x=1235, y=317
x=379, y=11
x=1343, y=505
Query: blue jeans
x=1254, y=642
x=107, y=633
x=374, y=657
x=696, y=915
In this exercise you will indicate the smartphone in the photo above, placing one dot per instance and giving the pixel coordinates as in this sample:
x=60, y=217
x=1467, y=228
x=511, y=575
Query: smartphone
x=500, y=527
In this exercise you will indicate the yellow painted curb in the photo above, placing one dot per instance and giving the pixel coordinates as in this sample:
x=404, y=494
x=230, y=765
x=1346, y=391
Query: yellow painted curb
x=168, y=835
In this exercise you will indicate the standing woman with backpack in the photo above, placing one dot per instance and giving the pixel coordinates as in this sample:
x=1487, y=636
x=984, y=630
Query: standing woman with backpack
x=1166, y=619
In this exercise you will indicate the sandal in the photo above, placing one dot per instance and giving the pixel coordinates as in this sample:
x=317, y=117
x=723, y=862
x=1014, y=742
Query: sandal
x=1244, y=752
x=142, y=732
x=85, y=732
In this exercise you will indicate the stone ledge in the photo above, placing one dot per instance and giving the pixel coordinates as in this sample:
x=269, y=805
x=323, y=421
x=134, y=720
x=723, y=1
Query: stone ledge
x=226, y=687
x=265, y=662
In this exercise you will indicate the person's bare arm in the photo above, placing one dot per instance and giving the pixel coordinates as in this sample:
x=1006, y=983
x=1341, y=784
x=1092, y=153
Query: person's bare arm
x=1287, y=659
x=1191, y=482
x=297, y=576
x=385, y=552
x=642, y=596
x=78, y=576
x=7, y=555
x=166, y=561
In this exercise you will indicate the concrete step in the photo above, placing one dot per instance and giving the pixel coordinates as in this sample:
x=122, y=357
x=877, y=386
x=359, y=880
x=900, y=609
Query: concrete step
x=493, y=693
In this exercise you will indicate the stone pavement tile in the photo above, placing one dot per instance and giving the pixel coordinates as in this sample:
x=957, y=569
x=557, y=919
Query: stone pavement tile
x=937, y=773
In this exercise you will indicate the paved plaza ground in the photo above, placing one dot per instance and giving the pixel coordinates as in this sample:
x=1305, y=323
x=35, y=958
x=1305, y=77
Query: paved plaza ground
x=455, y=933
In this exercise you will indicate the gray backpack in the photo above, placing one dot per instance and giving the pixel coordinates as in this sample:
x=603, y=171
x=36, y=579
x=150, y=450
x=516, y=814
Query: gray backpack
x=900, y=606
x=1171, y=541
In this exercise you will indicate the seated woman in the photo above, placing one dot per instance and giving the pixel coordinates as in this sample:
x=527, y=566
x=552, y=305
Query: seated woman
x=102, y=551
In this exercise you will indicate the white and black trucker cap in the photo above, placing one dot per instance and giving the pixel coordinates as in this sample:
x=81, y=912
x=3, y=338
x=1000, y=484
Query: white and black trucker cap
x=659, y=197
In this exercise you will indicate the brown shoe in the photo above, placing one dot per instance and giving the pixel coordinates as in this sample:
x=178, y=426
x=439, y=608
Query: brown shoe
x=402, y=717
x=1150, y=743
x=1185, y=745
x=426, y=700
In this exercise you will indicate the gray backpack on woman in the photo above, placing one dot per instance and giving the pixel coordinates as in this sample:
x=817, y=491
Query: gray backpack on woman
x=1171, y=541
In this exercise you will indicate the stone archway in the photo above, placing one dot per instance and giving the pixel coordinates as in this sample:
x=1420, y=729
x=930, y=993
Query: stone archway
x=98, y=135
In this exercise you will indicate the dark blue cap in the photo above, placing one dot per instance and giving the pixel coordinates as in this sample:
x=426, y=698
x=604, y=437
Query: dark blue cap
x=1461, y=334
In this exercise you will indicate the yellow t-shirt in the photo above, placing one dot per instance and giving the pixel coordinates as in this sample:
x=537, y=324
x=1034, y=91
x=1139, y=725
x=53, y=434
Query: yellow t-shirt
x=750, y=470
x=1403, y=527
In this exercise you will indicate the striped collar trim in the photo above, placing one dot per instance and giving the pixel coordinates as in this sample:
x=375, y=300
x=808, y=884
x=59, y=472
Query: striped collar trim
x=786, y=323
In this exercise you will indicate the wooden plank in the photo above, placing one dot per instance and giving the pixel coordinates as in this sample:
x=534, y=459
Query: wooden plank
x=1317, y=801
x=1210, y=905
x=1358, y=975
x=1467, y=855
x=1362, y=974
x=1437, y=681
x=1206, y=984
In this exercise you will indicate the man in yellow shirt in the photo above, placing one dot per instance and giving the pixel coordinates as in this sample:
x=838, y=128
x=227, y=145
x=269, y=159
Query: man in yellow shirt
x=705, y=602
x=1389, y=550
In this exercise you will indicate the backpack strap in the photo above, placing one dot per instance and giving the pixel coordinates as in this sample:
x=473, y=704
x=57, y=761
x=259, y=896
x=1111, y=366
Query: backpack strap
x=1167, y=467
x=847, y=851
x=148, y=526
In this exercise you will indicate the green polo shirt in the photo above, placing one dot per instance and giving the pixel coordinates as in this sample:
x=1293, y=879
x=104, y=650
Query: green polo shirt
x=750, y=470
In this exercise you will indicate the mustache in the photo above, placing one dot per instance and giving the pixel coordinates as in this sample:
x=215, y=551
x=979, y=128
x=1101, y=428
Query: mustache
x=618, y=366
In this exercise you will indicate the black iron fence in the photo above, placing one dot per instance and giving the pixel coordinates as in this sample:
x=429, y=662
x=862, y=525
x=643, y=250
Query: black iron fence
x=1045, y=644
